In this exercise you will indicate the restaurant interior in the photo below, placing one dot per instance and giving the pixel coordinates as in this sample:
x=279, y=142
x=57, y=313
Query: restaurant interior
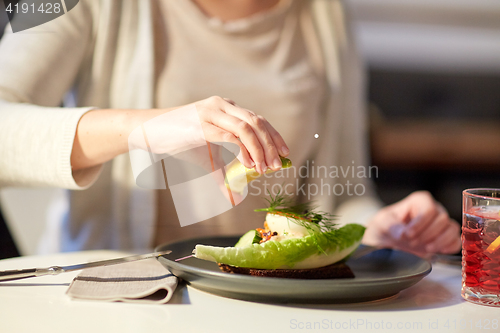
x=432, y=95
x=432, y=81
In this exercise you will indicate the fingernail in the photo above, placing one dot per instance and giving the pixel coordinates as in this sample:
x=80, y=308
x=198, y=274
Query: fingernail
x=396, y=231
x=264, y=168
x=430, y=248
x=284, y=150
x=252, y=163
x=410, y=233
x=277, y=163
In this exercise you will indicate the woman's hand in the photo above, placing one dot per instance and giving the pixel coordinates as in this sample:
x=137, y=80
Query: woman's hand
x=103, y=134
x=416, y=224
x=260, y=144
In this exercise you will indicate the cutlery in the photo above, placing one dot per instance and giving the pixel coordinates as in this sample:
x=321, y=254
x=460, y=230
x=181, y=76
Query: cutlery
x=17, y=274
x=186, y=257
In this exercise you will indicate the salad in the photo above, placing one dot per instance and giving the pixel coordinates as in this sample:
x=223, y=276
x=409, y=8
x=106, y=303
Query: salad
x=294, y=236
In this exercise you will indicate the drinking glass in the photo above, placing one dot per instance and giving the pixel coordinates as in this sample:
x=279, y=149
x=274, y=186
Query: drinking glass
x=481, y=246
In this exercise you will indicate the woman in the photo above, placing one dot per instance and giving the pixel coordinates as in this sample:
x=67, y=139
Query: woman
x=291, y=62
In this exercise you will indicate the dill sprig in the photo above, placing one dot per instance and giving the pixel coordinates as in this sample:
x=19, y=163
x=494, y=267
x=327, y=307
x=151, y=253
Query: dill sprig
x=303, y=214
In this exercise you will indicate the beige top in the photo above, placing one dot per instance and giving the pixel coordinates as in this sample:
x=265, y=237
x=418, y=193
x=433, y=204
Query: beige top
x=261, y=62
x=105, y=51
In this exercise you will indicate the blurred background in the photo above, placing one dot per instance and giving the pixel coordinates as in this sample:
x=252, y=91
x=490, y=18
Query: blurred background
x=434, y=93
x=434, y=105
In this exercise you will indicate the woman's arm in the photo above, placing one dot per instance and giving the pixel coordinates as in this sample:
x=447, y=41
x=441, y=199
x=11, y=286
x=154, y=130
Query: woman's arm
x=43, y=144
x=103, y=134
x=37, y=69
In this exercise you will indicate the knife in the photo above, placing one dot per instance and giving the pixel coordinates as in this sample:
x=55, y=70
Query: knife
x=17, y=274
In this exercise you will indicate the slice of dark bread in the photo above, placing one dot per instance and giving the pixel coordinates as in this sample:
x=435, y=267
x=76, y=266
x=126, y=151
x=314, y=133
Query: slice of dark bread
x=334, y=271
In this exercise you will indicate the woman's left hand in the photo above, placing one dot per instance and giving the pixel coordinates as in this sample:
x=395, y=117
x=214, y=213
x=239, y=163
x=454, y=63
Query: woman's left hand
x=417, y=224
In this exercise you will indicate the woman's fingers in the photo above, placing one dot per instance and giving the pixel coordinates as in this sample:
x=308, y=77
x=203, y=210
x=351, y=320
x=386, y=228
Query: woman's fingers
x=454, y=245
x=438, y=226
x=278, y=140
x=242, y=130
x=419, y=224
x=259, y=126
x=230, y=101
x=216, y=134
x=271, y=154
x=261, y=140
x=448, y=241
x=432, y=229
x=424, y=210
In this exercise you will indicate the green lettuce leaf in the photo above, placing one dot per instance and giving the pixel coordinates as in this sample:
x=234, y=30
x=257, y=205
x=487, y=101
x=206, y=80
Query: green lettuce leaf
x=288, y=252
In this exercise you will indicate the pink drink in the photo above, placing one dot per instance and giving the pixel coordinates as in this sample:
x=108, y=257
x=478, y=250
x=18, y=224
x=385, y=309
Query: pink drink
x=481, y=258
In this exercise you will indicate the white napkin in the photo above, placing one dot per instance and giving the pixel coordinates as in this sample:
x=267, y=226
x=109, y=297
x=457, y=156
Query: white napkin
x=143, y=281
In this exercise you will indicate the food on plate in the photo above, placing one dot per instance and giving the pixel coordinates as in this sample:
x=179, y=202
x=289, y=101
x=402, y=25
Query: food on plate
x=296, y=241
x=334, y=271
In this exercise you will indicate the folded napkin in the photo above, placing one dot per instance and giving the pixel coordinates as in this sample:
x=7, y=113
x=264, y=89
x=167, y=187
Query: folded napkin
x=138, y=281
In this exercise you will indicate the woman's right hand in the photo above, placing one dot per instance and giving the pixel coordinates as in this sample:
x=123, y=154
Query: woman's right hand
x=103, y=134
x=260, y=144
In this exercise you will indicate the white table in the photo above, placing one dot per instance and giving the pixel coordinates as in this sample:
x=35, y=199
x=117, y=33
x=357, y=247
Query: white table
x=41, y=305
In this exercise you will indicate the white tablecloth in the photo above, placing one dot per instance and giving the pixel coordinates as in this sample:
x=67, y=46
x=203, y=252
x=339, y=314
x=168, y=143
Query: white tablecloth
x=41, y=305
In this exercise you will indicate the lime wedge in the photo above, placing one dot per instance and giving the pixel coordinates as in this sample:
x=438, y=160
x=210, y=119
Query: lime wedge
x=238, y=176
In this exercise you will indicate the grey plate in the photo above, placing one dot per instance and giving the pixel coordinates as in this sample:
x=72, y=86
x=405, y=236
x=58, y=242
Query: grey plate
x=380, y=274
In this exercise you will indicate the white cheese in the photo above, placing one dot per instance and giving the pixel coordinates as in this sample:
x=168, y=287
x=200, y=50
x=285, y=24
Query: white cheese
x=286, y=227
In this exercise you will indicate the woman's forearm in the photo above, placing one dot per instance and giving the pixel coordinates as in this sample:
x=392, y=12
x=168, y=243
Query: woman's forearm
x=103, y=134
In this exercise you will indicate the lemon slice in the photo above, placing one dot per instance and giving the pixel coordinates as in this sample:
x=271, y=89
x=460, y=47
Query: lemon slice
x=238, y=176
x=494, y=245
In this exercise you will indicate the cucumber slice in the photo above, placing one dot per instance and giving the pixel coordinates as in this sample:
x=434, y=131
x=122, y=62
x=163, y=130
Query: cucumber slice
x=297, y=253
x=251, y=237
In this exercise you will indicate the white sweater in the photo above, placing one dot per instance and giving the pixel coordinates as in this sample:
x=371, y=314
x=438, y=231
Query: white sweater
x=102, y=50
